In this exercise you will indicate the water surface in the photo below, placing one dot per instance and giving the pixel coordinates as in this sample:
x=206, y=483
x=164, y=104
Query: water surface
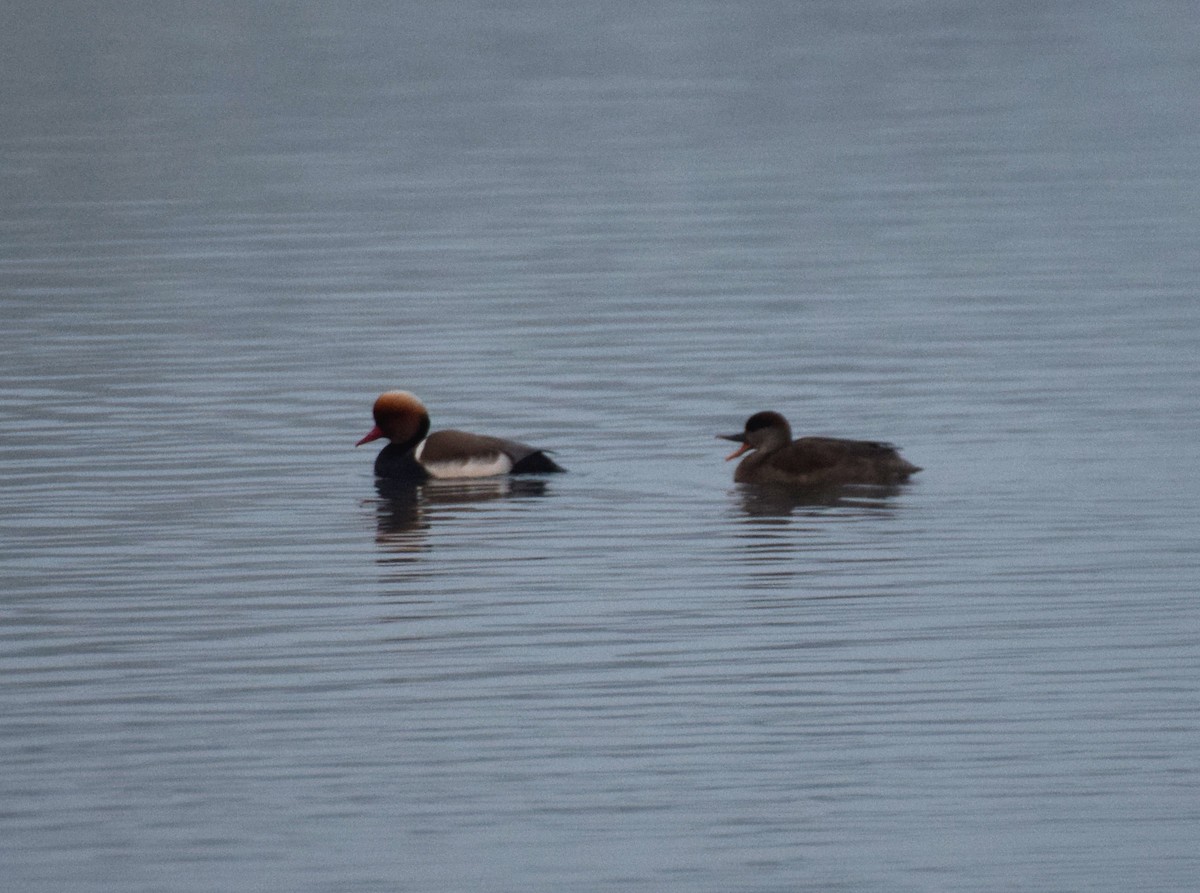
x=232, y=662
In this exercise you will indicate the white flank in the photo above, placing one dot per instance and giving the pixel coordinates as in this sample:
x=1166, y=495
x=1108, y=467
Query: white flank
x=482, y=467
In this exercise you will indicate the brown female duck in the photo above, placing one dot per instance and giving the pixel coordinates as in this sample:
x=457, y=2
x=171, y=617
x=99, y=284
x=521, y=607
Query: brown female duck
x=811, y=462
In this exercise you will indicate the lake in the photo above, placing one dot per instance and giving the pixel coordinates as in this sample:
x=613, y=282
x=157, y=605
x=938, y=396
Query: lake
x=231, y=661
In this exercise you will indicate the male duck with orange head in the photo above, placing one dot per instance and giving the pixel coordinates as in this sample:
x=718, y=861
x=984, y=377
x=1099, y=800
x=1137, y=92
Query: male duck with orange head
x=415, y=454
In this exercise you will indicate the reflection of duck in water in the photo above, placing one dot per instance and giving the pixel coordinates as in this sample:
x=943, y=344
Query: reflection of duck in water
x=459, y=491
x=774, y=502
x=415, y=455
x=812, y=462
x=406, y=510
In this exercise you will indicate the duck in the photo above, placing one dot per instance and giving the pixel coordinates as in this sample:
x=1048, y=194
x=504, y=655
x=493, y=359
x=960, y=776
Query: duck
x=416, y=455
x=811, y=462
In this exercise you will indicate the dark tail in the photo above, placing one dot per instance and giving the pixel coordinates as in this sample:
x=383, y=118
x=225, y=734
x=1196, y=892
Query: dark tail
x=536, y=463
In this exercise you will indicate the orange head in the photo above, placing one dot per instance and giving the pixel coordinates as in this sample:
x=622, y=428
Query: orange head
x=400, y=417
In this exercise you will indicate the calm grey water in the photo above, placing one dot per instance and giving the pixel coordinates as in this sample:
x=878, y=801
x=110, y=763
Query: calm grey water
x=615, y=230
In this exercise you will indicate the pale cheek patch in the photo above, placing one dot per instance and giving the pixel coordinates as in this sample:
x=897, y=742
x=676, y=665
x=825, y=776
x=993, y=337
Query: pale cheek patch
x=475, y=467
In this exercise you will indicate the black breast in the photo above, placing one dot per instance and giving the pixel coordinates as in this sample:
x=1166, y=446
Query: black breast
x=397, y=463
